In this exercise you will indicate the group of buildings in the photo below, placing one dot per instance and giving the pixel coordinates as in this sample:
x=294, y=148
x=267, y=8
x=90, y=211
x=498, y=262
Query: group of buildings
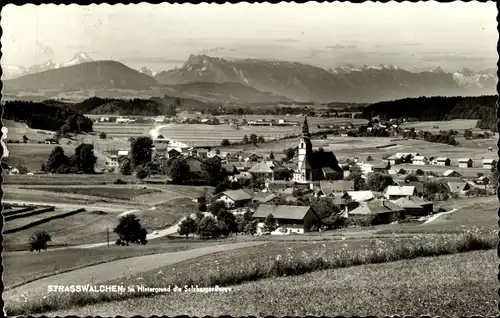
x=415, y=158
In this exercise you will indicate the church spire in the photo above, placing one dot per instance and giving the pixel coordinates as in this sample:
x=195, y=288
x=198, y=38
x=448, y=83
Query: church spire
x=305, y=128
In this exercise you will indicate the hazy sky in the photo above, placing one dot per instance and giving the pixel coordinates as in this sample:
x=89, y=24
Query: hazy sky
x=166, y=34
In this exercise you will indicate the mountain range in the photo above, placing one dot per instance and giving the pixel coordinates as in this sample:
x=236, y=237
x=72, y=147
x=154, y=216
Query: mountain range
x=217, y=79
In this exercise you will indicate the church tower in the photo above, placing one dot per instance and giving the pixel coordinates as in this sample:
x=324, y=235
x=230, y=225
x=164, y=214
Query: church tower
x=305, y=148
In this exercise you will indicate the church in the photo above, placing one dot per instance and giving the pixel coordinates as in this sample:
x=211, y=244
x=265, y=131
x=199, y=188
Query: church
x=315, y=165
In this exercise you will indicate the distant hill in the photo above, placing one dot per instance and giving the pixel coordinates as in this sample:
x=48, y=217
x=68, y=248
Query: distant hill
x=303, y=83
x=438, y=108
x=87, y=75
x=228, y=92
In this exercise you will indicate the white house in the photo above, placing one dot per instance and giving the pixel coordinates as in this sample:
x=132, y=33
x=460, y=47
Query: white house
x=396, y=192
x=361, y=196
x=233, y=198
x=122, y=153
x=366, y=168
x=441, y=161
x=420, y=160
x=465, y=163
x=122, y=120
x=113, y=161
x=489, y=163
x=451, y=174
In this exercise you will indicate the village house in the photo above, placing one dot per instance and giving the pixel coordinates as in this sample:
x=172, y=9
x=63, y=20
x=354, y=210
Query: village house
x=173, y=153
x=262, y=170
x=441, y=161
x=420, y=160
x=112, y=162
x=465, y=163
x=361, y=196
x=253, y=158
x=396, y=192
x=451, y=174
x=290, y=218
x=233, y=198
x=230, y=169
x=412, y=207
x=377, y=211
x=457, y=186
x=380, y=167
x=327, y=188
x=314, y=165
x=202, y=153
x=266, y=198
x=489, y=163
x=394, y=160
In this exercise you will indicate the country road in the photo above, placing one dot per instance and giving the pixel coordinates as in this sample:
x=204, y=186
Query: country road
x=115, y=269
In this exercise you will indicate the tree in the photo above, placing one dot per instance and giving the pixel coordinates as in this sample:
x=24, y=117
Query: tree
x=199, y=215
x=251, y=227
x=378, y=181
x=208, y=227
x=84, y=159
x=141, y=151
x=103, y=135
x=282, y=173
x=402, y=171
x=221, y=187
x=253, y=138
x=126, y=167
x=411, y=178
x=261, y=139
x=289, y=153
x=245, y=139
x=229, y=220
x=179, y=171
x=214, y=171
x=225, y=142
x=130, y=230
x=187, y=226
x=56, y=159
x=494, y=179
x=25, y=139
x=324, y=207
x=419, y=172
x=357, y=176
x=271, y=156
x=369, y=158
x=468, y=133
x=218, y=208
x=202, y=207
x=270, y=223
x=142, y=173
x=38, y=241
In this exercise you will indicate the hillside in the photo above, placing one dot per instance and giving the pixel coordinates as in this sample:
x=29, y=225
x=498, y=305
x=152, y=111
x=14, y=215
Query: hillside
x=301, y=82
x=438, y=108
x=229, y=92
x=89, y=75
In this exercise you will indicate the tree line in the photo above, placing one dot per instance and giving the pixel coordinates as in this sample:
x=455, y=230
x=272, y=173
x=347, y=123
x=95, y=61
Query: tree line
x=47, y=115
x=438, y=108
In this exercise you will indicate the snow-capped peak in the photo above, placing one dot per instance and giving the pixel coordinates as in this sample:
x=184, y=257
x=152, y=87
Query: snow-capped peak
x=148, y=71
x=79, y=58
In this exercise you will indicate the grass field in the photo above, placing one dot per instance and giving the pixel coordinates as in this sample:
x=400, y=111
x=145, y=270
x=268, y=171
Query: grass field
x=121, y=193
x=271, y=260
x=10, y=224
x=457, y=124
x=458, y=285
x=65, y=179
x=90, y=227
x=24, y=267
x=32, y=156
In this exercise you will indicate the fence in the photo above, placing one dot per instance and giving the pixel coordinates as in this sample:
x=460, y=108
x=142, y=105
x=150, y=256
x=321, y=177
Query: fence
x=42, y=221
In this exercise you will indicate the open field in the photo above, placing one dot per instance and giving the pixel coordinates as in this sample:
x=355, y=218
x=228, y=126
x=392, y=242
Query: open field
x=117, y=192
x=24, y=267
x=67, y=179
x=90, y=226
x=15, y=223
x=229, y=268
x=458, y=285
x=457, y=124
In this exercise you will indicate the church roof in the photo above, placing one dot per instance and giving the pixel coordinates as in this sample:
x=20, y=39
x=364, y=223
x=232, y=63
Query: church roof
x=319, y=160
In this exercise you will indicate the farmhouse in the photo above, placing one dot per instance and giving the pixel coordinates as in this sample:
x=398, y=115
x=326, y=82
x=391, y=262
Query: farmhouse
x=253, y=158
x=380, y=167
x=262, y=170
x=266, y=198
x=451, y=174
x=361, y=196
x=291, y=219
x=377, y=212
x=420, y=160
x=457, y=186
x=173, y=153
x=411, y=207
x=442, y=161
x=396, y=192
x=394, y=160
x=465, y=163
x=233, y=198
x=123, y=153
x=489, y=163
x=427, y=206
x=327, y=188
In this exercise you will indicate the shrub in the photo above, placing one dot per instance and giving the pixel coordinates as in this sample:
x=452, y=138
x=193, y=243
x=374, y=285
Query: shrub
x=38, y=241
x=119, y=181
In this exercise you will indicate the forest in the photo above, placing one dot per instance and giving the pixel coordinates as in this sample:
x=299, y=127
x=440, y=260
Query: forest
x=437, y=109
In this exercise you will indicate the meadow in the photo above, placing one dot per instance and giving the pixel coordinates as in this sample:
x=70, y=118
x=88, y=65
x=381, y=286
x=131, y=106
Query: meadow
x=435, y=126
x=458, y=285
x=64, y=179
x=117, y=192
x=23, y=267
x=92, y=226
x=273, y=260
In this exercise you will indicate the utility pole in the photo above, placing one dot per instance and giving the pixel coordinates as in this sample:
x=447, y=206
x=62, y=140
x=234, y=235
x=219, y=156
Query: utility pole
x=107, y=235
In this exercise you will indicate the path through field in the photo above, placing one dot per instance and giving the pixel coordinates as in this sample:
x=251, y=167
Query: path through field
x=114, y=270
x=436, y=216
